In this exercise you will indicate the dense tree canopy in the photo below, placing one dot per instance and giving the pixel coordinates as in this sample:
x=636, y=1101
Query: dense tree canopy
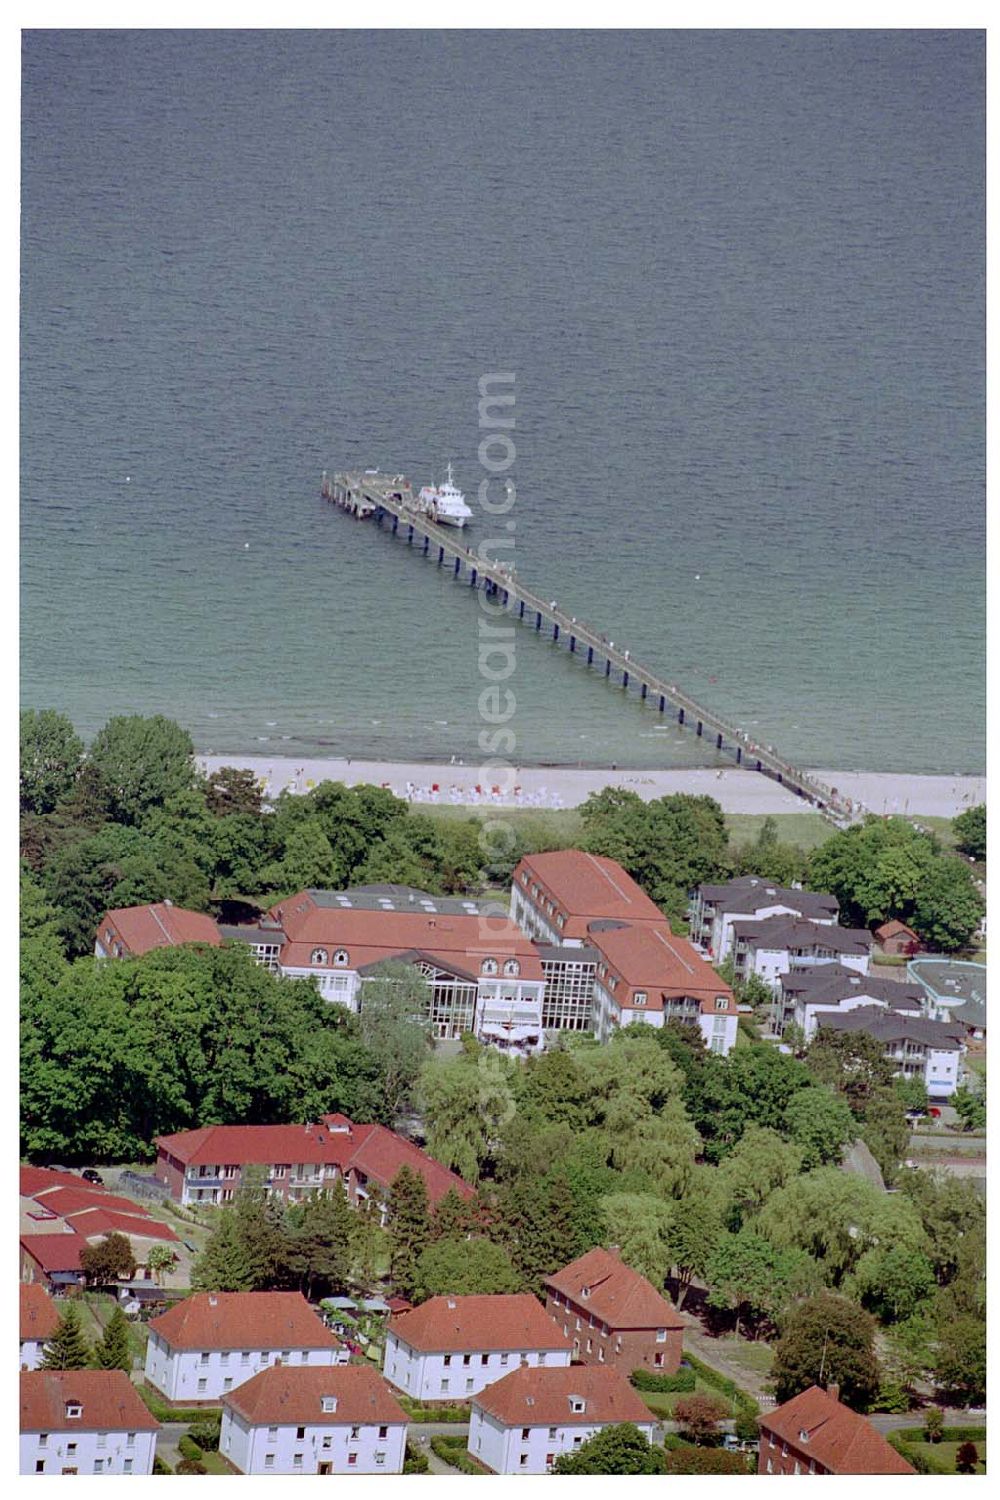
x=669, y=845
x=116, y=1054
x=142, y=762
x=828, y=1339
x=886, y=868
x=463, y=1268
x=969, y=829
x=392, y=1024
x=51, y=756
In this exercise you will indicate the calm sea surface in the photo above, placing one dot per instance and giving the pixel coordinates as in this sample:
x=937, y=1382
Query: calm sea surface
x=739, y=276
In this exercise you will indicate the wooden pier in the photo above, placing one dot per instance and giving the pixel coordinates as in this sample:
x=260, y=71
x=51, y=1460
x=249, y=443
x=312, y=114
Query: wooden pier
x=390, y=502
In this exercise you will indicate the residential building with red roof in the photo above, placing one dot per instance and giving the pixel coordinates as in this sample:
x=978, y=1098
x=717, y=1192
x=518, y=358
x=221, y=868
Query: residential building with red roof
x=212, y=1342
x=483, y=973
x=522, y=1423
x=38, y=1323
x=897, y=939
x=57, y=1204
x=609, y=956
x=613, y=1315
x=207, y=1165
x=815, y=1433
x=52, y=1260
x=334, y=1421
x=450, y=1348
x=84, y=1422
x=130, y=931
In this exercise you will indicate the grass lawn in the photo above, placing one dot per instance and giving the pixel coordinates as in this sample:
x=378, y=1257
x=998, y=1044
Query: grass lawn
x=976, y=1061
x=747, y=1354
x=663, y=1402
x=215, y=1463
x=808, y=830
x=943, y=1455
x=547, y=828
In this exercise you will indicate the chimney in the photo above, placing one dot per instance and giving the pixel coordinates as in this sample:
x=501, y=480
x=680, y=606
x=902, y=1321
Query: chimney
x=833, y=1389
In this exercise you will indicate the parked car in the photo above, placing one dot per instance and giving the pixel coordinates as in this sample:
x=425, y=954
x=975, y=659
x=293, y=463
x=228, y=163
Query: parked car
x=89, y=1175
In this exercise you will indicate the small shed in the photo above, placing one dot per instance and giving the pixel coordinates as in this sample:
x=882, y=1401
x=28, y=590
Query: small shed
x=896, y=939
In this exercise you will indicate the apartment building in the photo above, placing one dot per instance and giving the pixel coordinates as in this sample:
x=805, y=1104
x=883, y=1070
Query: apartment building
x=917, y=1048
x=613, y=1315
x=815, y=1433
x=84, y=1422
x=38, y=1320
x=343, y=1420
x=807, y=997
x=450, y=1348
x=213, y=1342
x=522, y=1423
x=776, y=945
x=714, y=909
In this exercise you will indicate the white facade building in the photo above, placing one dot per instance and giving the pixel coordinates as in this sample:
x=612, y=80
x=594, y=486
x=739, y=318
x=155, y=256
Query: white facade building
x=292, y=1421
x=38, y=1321
x=213, y=1342
x=450, y=1348
x=522, y=1424
x=84, y=1422
x=775, y=946
x=715, y=908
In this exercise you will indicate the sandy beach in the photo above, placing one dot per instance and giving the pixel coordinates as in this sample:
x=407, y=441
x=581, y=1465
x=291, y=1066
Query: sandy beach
x=736, y=791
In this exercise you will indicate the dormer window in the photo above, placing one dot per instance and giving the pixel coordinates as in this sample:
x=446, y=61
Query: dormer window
x=585, y=1292
x=639, y=998
x=722, y=1002
x=577, y=1403
x=803, y=1435
x=318, y=956
x=489, y=966
x=342, y=957
x=329, y=1403
x=511, y=968
x=74, y=1410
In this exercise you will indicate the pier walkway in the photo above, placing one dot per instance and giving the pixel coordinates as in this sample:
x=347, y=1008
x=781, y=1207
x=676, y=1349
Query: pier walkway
x=389, y=501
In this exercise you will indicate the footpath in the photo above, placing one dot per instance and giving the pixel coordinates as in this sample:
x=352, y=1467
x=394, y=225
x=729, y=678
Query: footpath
x=712, y=1353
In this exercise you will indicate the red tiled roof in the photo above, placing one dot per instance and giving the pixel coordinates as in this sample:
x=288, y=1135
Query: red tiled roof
x=382, y=1153
x=617, y=1295
x=159, y=925
x=109, y=1400
x=843, y=1442
x=372, y=1149
x=501, y=1321
x=55, y=1252
x=91, y=1222
x=895, y=929
x=533, y=1397
x=35, y=1180
x=647, y=956
x=71, y=1200
x=280, y=1395
x=38, y=1312
x=587, y=887
x=369, y=936
x=232, y=1320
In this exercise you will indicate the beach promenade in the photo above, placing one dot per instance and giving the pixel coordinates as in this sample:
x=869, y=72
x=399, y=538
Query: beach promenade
x=736, y=791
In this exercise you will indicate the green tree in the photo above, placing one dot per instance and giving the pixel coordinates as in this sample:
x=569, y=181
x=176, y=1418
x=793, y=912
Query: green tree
x=619, y=1448
x=852, y=1062
x=953, y=1215
x=821, y=1124
x=536, y=1224
x=160, y=1259
x=970, y=1107
x=752, y=1086
x=639, y=1224
x=969, y=829
x=466, y=1102
x=142, y=762
x=886, y=868
x=452, y=1217
x=893, y=1282
x=248, y=1250
x=409, y=1227
x=960, y=1369
x=760, y=1162
x=886, y=1131
x=835, y=1218
x=747, y=1274
x=699, y=1416
x=394, y=1026
x=827, y=1339
x=767, y=856
x=67, y=1349
x=464, y=1268
x=694, y=1232
x=668, y=845
x=110, y=1260
x=320, y=1245
x=114, y=1351
x=934, y=1424
x=51, y=755
x=233, y=790
x=308, y=861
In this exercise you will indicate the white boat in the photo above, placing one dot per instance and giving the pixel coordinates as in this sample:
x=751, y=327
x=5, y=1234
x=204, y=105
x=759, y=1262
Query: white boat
x=444, y=503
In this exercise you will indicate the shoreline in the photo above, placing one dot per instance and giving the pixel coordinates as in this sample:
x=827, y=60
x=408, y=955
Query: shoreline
x=561, y=787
